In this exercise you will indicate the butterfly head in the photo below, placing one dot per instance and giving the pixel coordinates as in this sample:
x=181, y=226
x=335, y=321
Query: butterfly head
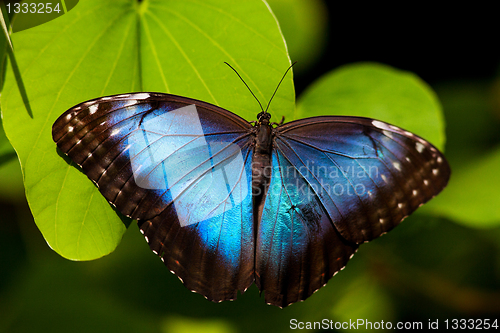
x=263, y=117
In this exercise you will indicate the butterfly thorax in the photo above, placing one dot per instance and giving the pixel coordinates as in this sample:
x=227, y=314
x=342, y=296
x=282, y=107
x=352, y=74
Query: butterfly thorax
x=263, y=138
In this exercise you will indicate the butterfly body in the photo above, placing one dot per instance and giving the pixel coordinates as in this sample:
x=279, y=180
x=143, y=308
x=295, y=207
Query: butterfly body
x=225, y=203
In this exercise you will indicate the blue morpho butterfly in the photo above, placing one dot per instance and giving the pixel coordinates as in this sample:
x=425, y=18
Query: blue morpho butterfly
x=226, y=202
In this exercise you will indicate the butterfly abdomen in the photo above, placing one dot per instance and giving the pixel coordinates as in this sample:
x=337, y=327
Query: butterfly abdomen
x=261, y=165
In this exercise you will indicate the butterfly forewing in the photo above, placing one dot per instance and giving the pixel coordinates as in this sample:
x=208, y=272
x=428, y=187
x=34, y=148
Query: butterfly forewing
x=368, y=174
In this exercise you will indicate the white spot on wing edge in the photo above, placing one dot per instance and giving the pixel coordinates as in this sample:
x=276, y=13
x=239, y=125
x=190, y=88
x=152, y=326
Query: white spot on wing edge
x=420, y=147
x=380, y=124
x=142, y=96
x=409, y=133
x=397, y=165
x=93, y=108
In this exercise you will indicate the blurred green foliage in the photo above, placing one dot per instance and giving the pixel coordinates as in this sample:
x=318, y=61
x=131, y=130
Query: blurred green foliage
x=442, y=262
x=304, y=25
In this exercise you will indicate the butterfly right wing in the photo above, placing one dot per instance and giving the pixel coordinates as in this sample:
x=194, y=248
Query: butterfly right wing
x=182, y=168
x=336, y=182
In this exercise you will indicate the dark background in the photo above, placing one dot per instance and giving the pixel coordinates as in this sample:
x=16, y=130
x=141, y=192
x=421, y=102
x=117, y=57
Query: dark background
x=438, y=44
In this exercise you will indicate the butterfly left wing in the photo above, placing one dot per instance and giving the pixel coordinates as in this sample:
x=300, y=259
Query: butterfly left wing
x=180, y=167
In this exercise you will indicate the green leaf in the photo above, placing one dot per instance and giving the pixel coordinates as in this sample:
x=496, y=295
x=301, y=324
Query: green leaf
x=377, y=91
x=102, y=48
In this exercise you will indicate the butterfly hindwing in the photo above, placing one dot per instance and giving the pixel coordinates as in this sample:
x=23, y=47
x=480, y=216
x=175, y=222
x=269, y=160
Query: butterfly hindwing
x=180, y=167
x=298, y=247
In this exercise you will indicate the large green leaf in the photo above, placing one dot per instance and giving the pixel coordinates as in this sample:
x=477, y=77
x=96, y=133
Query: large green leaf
x=377, y=91
x=103, y=48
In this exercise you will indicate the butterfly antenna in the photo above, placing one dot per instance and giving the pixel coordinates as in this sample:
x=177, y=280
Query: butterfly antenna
x=246, y=85
x=279, y=86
